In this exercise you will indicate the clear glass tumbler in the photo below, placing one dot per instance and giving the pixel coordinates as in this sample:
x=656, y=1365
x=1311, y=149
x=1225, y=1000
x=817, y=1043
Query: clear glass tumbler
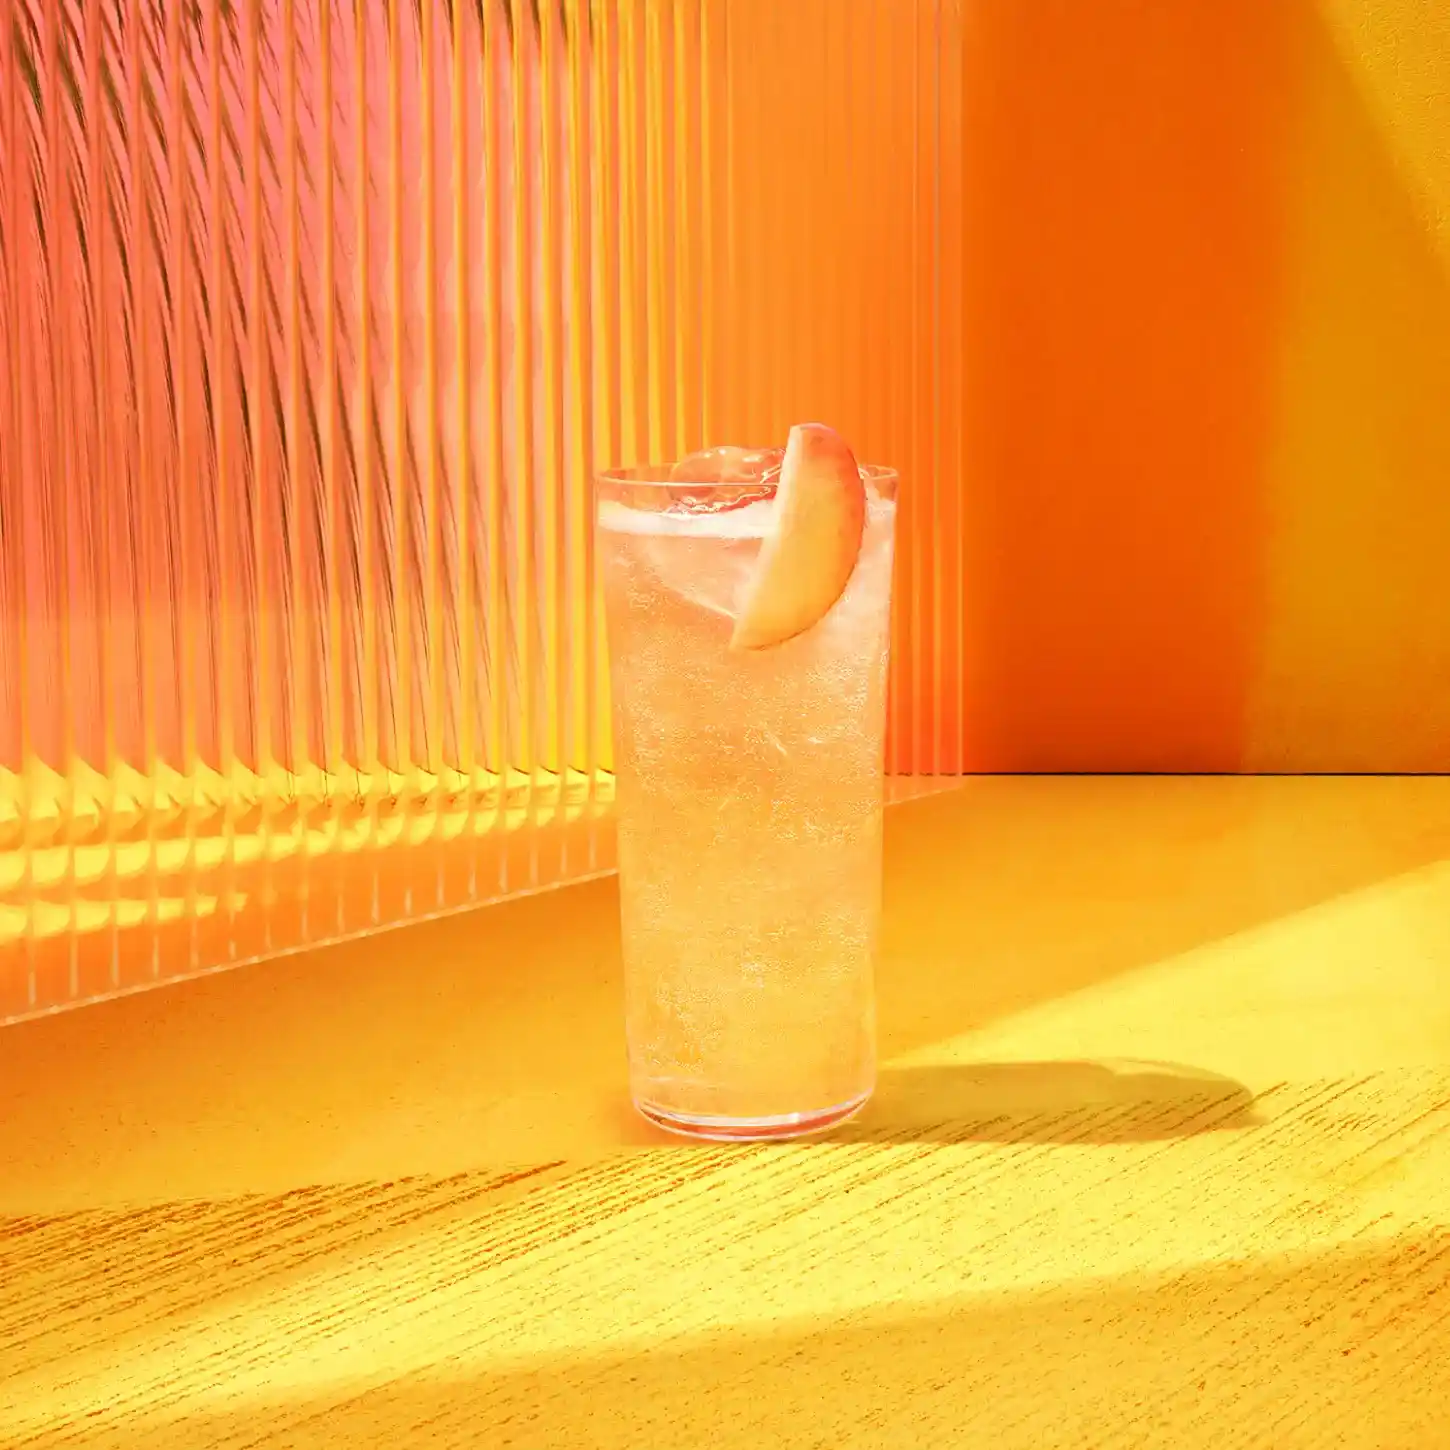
x=749, y=793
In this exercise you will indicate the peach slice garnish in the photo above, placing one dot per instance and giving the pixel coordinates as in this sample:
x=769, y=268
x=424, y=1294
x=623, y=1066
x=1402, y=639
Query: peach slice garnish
x=807, y=561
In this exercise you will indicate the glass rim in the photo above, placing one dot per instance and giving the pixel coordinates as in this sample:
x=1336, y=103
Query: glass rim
x=657, y=475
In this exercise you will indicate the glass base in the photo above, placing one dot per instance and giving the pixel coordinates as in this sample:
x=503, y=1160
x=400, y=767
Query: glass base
x=750, y=1130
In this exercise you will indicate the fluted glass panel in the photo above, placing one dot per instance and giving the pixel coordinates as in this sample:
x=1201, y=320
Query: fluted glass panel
x=314, y=321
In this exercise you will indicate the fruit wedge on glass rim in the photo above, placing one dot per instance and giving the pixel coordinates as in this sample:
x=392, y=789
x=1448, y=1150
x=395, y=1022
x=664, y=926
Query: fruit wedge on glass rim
x=807, y=559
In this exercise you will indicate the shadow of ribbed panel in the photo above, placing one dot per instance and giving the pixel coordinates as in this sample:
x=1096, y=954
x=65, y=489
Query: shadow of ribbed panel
x=314, y=321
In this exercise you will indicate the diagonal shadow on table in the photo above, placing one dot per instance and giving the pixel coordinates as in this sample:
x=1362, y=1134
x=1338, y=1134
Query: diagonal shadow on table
x=1049, y=1102
x=1191, y=1355
x=1008, y=893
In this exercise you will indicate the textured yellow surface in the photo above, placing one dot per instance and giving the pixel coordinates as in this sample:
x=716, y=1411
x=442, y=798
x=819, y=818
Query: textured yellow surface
x=1161, y=1156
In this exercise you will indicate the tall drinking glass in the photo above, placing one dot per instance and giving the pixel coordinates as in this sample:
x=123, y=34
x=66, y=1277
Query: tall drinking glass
x=749, y=796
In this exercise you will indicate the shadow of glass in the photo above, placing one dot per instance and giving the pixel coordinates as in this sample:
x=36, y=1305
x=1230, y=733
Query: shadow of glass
x=1050, y=1102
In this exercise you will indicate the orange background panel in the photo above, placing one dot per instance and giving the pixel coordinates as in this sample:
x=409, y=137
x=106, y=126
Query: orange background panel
x=1206, y=365
x=1151, y=305
x=1121, y=298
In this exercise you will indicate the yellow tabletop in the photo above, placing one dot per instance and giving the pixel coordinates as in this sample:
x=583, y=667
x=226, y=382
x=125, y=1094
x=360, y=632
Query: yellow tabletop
x=1160, y=1157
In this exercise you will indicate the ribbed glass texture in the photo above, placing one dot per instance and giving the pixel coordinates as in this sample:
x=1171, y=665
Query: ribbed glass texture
x=315, y=319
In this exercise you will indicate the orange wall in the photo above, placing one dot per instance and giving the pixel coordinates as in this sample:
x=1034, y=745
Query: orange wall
x=1151, y=303
x=1122, y=283
x=1208, y=386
